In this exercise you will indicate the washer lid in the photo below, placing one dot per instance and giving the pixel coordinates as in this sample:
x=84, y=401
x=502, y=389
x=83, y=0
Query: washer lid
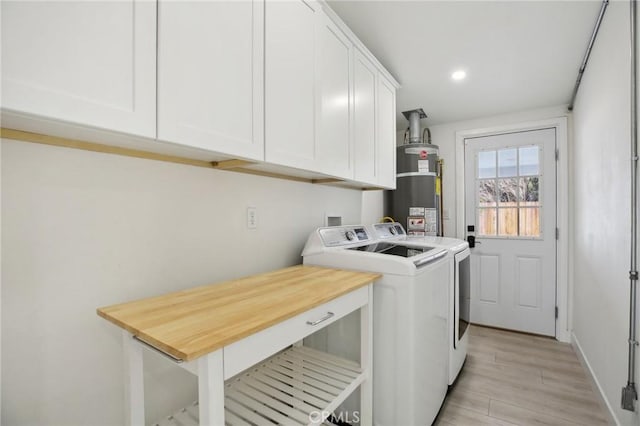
x=420, y=255
x=394, y=249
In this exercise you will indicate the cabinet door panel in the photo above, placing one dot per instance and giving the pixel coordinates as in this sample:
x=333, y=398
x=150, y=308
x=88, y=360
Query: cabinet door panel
x=92, y=63
x=386, y=134
x=290, y=83
x=364, y=116
x=334, y=153
x=210, y=80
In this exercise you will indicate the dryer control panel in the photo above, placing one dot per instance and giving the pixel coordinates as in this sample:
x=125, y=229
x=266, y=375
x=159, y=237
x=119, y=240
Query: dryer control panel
x=389, y=230
x=344, y=235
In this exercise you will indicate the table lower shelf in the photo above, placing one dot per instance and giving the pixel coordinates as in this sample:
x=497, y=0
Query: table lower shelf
x=299, y=386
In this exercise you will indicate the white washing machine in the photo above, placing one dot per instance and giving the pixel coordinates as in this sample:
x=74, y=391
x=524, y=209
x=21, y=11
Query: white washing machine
x=410, y=355
x=459, y=289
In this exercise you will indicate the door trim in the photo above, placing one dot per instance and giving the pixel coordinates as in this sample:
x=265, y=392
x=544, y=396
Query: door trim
x=564, y=277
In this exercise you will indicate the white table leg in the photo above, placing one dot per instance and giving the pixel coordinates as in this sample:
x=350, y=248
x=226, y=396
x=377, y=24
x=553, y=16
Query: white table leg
x=366, y=361
x=211, y=389
x=133, y=381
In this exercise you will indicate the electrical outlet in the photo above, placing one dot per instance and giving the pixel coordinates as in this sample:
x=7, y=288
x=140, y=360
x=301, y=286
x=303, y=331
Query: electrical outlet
x=332, y=220
x=446, y=214
x=252, y=218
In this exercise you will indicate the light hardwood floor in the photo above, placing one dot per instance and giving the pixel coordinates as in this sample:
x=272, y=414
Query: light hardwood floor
x=517, y=379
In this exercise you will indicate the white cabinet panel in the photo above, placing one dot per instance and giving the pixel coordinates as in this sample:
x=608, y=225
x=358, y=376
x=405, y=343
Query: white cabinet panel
x=334, y=149
x=210, y=75
x=290, y=83
x=364, y=119
x=386, y=137
x=92, y=63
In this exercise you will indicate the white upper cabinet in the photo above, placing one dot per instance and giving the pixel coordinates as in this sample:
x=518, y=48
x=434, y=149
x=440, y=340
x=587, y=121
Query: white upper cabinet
x=210, y=75
x=386, y=132
x=280, y=81
x=333, y=79
x=90, y=63
x=364, y=119
x=290, y=107
x=321, y=101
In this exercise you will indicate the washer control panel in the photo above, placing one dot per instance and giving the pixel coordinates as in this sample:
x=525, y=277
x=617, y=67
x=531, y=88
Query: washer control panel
x=343, y=235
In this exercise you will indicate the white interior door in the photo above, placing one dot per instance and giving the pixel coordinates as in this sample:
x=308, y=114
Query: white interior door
x=510, y=199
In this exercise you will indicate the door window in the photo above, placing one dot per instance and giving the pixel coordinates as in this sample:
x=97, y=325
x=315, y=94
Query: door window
x=508, y=198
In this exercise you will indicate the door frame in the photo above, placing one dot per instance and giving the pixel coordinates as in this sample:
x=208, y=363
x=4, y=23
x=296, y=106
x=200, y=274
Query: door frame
x=564, y=284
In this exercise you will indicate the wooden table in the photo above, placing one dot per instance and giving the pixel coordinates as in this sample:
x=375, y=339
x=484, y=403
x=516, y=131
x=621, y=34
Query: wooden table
x=218, y=331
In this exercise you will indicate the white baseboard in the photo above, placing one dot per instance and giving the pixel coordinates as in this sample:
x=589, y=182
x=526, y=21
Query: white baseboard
x=564, y=336
x=595, y=384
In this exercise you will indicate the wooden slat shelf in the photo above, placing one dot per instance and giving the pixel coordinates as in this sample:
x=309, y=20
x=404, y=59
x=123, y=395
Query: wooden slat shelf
x=288, y=389
x=255, y=168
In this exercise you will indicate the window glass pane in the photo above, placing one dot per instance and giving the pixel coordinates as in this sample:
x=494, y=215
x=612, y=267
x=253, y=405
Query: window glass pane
x=507, y=159
x=530, y=191
x=530, y=222
x=486, y=164
x=487, y=193
x=486, y=222
x=529, y=161
x=508, y=222
x=508, y=192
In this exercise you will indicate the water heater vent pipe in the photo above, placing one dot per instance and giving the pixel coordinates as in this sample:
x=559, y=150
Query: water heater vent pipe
x=414, y=116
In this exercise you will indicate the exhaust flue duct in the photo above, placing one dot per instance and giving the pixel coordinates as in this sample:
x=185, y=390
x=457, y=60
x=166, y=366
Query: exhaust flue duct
x=414, y=116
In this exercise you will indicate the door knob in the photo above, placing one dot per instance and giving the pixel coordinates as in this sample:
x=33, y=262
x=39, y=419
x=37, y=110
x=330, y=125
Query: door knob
x=471, y=239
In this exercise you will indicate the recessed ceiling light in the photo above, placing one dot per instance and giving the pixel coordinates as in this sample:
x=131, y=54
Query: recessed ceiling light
x=459, y=75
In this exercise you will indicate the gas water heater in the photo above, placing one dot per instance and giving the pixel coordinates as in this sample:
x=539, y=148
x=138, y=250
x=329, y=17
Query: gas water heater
x=416, y=199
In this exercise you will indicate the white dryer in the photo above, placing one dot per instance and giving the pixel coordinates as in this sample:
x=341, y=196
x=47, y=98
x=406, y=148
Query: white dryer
x=459, y=289
x=410, y=313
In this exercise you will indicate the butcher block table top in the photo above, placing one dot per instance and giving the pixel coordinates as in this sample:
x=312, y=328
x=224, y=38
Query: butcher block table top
x=190, y=323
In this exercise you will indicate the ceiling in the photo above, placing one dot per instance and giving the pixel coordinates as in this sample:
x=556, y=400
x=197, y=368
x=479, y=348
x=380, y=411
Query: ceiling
x=518, y=55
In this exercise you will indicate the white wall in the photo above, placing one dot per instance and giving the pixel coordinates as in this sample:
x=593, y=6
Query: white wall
x=1, y=314
x=372, y=207
x=601, y=205
x=82, y=230
x=444, y=135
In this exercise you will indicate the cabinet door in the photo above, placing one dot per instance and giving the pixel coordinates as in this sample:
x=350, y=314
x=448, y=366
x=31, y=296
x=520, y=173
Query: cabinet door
x=210, y=75
x=290, y=83
x=364, y=119
x=334, y=148
x=92, y=63
x=386, y=114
